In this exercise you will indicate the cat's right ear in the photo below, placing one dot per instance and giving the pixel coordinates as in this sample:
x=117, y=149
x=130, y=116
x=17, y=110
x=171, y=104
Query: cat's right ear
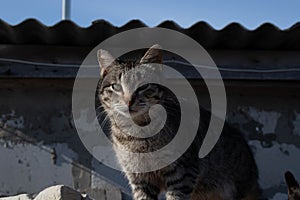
x=105, y=59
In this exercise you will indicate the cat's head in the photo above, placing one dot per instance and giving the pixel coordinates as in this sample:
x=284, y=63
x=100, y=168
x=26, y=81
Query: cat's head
x=122, y=85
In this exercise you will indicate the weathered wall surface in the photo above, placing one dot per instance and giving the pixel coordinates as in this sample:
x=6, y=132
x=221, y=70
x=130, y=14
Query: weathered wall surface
x=269, y=118
x=39, y=145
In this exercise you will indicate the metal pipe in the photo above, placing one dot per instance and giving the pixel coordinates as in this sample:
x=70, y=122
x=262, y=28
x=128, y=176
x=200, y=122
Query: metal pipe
x=66, y=9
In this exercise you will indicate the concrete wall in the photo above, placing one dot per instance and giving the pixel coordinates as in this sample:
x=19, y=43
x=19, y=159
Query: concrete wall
x=39, y=145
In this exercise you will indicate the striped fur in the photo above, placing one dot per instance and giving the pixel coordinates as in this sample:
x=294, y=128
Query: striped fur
x=229, y=171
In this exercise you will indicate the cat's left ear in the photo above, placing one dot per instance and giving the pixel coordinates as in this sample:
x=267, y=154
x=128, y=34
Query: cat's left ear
x=153, y=55
x=291, y=181
x=105, y=59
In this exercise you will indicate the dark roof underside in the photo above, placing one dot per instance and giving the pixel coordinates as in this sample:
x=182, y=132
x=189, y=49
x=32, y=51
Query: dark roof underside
x=234, y=36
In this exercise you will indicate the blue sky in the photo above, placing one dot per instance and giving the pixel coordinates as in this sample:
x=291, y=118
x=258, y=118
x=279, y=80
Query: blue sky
x=218, y=13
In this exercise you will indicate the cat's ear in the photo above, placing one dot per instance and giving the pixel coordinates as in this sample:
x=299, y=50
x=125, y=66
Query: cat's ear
x=105, y=59
x=153, y=55
x=291, y=181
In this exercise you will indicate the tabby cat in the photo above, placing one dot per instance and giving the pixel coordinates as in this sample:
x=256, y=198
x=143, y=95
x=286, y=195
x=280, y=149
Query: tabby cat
x=228, y=172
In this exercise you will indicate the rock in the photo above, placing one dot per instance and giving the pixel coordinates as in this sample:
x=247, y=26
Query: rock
x=57, y=192
x=18, y=197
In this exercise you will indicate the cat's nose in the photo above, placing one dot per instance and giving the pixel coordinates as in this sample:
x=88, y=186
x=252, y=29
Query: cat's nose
x=127, y=99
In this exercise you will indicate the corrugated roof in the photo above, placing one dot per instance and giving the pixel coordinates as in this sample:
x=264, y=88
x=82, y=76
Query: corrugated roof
x=233, y=36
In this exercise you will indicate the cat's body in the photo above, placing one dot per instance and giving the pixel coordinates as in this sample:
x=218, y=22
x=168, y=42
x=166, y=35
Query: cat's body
x=228, y=172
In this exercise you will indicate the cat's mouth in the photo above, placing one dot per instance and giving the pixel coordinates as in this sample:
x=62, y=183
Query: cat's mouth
x=140, y=115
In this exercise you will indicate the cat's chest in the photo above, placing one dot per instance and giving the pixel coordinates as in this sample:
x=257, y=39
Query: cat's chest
x=133, y=161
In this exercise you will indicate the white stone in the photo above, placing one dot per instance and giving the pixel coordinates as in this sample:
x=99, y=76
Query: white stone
x=58, y=192
x=18, y=197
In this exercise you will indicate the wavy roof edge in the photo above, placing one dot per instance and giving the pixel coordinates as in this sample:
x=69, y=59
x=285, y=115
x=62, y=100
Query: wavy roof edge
x=136, y=21
x=232, y=36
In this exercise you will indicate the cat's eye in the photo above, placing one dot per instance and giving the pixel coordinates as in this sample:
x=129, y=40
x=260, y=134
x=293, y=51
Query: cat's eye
x=116, y=87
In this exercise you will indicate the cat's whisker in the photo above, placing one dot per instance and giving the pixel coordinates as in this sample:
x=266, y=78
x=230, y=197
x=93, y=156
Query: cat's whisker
x=104, y=122
x=100, y=115
x=100, y=107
